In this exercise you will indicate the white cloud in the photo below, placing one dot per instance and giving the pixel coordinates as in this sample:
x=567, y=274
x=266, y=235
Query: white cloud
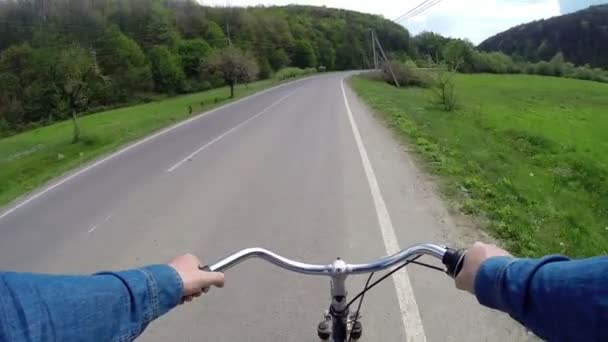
x=472, y=19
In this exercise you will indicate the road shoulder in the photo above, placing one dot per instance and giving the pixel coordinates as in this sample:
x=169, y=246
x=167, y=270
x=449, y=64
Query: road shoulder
x=420, y=215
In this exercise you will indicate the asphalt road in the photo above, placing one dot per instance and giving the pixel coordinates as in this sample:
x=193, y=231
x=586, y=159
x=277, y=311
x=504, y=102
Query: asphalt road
x=292, y=170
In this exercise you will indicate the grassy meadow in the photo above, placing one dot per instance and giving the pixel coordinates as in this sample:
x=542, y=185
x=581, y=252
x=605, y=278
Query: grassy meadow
x=527, y=155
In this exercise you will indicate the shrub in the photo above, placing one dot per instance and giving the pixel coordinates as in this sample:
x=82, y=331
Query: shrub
x=292, y=72
x=494, y=62
x=544, y=68
x=407, y=74
x=374, y=76
x=583, y=73
x=444, y=90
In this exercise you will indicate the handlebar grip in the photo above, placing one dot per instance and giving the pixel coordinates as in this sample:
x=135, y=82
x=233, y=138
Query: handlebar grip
x=453, y=259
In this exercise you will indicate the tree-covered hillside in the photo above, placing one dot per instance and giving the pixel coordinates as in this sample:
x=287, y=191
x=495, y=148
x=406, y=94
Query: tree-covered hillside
x=582, y=37
x=59, y=57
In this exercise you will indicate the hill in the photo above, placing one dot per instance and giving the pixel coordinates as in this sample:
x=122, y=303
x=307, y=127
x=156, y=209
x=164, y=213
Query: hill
x=581, y=36
x=125, y=50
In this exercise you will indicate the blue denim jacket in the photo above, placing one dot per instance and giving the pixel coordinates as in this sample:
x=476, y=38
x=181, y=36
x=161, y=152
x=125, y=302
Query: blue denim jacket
x=556, y=298
x=109, y=306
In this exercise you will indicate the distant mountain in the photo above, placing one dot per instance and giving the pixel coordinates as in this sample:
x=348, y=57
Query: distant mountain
x=581, y=36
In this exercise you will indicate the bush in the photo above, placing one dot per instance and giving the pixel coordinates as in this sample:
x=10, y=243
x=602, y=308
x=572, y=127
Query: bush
x=444, y=90
x=494, y=63
x=544, y=68
x=583, y=73
x=292, y=72
x=5, y=129
x=407, y=74
x=377, y=76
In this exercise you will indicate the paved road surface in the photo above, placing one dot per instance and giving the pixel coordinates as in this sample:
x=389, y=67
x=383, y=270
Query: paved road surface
x=284, y=170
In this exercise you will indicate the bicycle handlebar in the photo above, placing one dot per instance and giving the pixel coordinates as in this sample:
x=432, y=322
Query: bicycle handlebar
x=452, y=259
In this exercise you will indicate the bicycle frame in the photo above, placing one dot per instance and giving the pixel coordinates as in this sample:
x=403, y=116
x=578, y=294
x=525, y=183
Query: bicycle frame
x=336, y=322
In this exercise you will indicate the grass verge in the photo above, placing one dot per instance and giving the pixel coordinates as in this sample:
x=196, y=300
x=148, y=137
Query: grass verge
x=526, y=154
x=30, y=159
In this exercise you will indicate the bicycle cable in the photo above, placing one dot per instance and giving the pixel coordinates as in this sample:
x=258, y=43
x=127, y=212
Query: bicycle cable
x=350, y=335
x=368, y=287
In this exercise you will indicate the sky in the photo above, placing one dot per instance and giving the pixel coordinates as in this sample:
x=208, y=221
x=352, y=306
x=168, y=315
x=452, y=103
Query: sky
x=475, y=20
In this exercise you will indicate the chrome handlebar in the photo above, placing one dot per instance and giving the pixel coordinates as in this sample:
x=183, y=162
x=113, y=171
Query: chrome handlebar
x=442, y=253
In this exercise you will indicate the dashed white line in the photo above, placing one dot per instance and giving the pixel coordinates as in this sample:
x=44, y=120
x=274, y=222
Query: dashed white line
x=102, y=222
x=191, y=156
x=132, y=146
x=407, y=302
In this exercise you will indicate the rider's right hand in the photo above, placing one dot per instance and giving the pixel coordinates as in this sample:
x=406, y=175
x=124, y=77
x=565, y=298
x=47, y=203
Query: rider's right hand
x=475, y=256
x=195, y=281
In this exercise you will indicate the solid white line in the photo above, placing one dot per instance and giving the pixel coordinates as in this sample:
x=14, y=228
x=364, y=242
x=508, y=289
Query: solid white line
x=407, y=303
x=134, y=145
x=191, y=156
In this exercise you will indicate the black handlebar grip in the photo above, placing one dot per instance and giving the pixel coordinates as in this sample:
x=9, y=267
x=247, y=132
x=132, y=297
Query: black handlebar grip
x=453, y=259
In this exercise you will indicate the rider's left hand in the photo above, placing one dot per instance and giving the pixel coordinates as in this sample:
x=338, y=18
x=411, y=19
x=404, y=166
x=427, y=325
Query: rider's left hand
x=195, y=281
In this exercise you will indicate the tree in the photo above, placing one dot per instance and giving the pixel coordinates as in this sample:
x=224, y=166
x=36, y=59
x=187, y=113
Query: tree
x=75, y=70
x=558, y=64
x=233, y=65
x=124, y=63
x=430, y=44
x=327, y=55
x=304, y=55
x=15, y=75
x=215, y=35
x=278, y=59
x=166, y=70
x=457, y=55
x=193, y=54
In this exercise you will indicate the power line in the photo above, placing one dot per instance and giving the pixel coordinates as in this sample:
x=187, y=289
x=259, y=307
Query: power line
x=423, y=9
x=429, y=4
x=412, y=10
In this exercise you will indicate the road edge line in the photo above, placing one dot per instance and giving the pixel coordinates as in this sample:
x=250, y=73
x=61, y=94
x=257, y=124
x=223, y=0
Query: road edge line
x=410, y=314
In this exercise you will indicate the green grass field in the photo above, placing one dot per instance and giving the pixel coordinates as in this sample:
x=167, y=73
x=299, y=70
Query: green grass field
x=525, y=154
x=29, y=159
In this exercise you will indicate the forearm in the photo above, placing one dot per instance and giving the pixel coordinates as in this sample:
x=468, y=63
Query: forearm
x=103, y=307
x=556, y=298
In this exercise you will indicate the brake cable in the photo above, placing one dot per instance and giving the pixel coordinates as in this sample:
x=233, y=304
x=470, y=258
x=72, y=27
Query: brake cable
x=368, y=287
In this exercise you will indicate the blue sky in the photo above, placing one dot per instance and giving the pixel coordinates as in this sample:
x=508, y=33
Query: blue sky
x=475, y=20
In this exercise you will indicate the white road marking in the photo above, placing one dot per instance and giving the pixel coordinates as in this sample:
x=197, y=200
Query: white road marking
x=191, y=156
x=92, y=229
x=102, y=222
x=407, y=303
x=134, y=145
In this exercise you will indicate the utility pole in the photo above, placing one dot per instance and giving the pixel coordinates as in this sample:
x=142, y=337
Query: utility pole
x=373, y=40
x=229, y=16
x=386, y=61
x=228, y=33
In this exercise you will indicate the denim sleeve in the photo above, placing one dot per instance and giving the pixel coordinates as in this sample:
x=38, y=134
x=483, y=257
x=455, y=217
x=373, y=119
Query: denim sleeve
x=109, y=306
x=556, y=298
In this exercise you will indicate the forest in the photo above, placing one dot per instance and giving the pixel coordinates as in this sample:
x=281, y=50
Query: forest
x=64, y=57
x=582, y=38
